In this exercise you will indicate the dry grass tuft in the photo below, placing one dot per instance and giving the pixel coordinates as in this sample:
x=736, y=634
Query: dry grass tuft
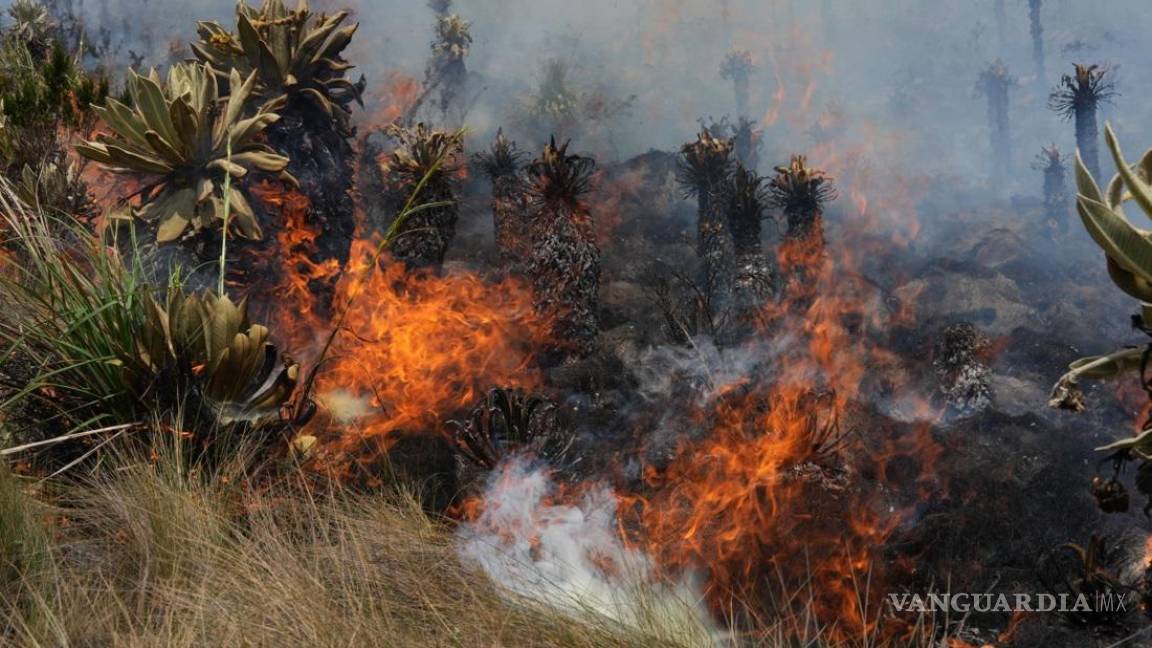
x=151, y=551
x=154, y=553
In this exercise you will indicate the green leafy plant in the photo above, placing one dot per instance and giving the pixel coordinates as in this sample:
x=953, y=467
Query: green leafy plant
x=72, y=313
x=24, y=543
x=295, y=55
x=31, y=24
x=87, y=343
x=1128, y=254
x=208, y=341
x=177, y=133
x=55, y=186
x=42, y=95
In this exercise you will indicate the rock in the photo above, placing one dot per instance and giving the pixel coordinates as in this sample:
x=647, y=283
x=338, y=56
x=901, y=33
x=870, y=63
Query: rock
x=963, y=292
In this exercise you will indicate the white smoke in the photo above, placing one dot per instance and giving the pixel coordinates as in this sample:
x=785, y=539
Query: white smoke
x=570, y=557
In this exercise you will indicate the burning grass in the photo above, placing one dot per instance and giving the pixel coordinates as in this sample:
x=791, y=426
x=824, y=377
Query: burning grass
x=167, y=554
x=162, y=551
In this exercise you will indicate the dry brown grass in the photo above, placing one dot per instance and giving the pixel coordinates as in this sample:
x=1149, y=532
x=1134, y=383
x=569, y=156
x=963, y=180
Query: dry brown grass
x=150, y=552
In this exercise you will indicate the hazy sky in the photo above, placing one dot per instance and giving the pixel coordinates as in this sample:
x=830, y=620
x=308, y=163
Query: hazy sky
x=902, y=73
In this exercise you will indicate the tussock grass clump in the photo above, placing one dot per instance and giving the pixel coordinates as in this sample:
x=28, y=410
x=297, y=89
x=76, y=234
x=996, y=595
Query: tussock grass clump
x=72, y=312
x=158, y=551
x=23, y=546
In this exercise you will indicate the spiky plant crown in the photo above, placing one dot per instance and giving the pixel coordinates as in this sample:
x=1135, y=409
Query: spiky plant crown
x=1087, y=86
x=560, y=179
x=210, y=339
x=1049, y=159
x=995, y=75
x=554, y=98
x=800, y=188
x=177, y=133
x=453, y=38
x=703, y=162
x=503, y=159
x=736, y=64
x=508, y=421
x=422, y=151
x=296, y=56
x=31, y=22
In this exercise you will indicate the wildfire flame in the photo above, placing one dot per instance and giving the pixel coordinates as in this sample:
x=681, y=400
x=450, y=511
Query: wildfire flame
x=418, y=347
x=760, y=498
x=413, y=347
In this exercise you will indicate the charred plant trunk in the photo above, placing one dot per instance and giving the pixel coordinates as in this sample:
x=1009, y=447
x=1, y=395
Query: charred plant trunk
x=805, y=224
x=453, y=88
x=740, y=90
x=424, y=237
x=1036, y=28
x=995, y=83
x=737, y=67
x=565, y=273
x=564, y=266
x=752, y=285
x=1087, y=137
x=1051, y=163
x=446, y=70
x=1055, y=198
x=746, y=211
x=509, y=219
x=705, y=171
x=321, y=160
x=746, y=144
x=509, y=201
x=963, y=377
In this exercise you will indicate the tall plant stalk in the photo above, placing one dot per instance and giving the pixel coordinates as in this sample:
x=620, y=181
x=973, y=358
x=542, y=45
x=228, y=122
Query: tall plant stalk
x=1036, y=29
x=1078, y=97
x=995, y=84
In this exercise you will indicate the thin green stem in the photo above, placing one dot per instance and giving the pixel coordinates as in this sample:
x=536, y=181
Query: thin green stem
x=227, y=212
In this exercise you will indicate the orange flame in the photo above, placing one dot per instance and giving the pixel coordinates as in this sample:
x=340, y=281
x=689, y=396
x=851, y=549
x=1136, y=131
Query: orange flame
x=765, y=494
x=417, y=346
